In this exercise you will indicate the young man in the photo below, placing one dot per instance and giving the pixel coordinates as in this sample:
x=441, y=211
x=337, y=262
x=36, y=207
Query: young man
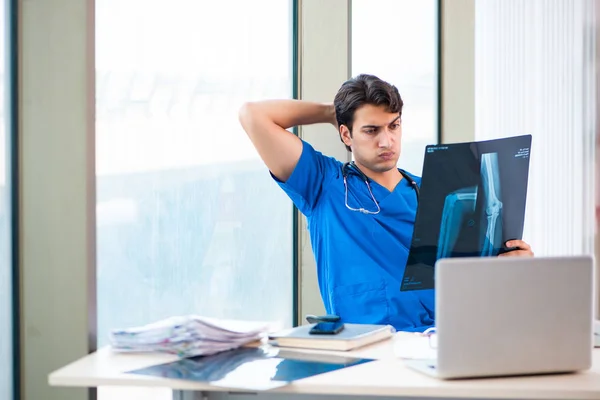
x=360, y=230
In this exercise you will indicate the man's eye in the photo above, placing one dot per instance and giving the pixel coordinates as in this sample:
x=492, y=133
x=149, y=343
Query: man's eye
x=395, y=126
x=370, y=131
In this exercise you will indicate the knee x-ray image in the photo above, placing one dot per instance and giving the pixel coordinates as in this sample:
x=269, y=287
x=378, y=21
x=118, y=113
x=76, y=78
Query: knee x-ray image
x=472, y=201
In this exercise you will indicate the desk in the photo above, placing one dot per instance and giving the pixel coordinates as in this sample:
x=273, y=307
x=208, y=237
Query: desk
x=387, y=377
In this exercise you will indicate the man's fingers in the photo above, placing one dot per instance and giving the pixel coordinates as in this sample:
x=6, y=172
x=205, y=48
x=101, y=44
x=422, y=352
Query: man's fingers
x=517, y=253
x=518, y=243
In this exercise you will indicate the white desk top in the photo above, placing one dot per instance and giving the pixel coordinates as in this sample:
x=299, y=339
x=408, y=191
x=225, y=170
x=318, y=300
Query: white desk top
x=385, y=377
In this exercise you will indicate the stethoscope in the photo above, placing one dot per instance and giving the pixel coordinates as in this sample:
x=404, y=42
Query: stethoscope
x=351, y=166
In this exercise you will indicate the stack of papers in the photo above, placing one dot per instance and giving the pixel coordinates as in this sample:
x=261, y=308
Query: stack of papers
x=188, y=336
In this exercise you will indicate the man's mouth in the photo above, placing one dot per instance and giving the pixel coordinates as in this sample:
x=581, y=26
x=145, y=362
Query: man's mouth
x=387, y=155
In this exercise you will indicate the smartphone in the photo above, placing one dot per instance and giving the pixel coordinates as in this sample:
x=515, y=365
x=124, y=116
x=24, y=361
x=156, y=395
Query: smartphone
x=327, y=328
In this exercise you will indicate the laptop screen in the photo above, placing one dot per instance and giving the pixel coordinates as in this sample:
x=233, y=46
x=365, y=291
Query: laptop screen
x=472, y=200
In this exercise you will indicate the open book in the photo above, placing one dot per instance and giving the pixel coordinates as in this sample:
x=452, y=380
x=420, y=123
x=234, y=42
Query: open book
x=353, y=336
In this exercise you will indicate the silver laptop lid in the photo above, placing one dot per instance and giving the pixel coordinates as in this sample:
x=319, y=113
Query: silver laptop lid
x=514, y=315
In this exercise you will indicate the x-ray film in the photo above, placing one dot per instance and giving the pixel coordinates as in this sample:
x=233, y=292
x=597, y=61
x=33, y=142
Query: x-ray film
x=250, y=368
x=472, y=201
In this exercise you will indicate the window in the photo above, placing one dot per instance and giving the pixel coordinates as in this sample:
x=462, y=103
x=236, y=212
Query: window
x=188, y=218
x=397, y=41
x=6, y=307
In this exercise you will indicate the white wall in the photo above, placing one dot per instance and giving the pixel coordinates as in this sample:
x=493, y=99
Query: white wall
x=458, y=71
x=323, y=66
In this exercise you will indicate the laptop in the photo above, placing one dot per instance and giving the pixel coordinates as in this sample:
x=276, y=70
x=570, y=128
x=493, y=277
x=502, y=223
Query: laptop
x=508, y=316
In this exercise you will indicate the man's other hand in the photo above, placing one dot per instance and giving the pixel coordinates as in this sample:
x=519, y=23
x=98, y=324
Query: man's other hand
x=522, y=249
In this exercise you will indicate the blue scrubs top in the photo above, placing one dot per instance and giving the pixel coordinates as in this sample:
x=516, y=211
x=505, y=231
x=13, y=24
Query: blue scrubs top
x=360, y=257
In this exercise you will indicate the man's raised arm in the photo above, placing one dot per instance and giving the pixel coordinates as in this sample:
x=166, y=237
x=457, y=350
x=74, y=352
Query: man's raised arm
x=266, y=122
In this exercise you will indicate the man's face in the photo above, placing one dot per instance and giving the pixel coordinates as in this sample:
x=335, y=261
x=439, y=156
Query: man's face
x=376, y=136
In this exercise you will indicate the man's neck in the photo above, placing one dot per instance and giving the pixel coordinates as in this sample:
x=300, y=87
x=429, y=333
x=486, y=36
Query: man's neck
x=388, y=179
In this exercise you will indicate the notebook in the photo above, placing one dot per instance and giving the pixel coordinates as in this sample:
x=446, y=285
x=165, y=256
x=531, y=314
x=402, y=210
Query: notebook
x=352, y=337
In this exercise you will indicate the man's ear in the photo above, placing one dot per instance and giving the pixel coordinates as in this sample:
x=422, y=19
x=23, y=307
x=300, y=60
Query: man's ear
x=345, y=135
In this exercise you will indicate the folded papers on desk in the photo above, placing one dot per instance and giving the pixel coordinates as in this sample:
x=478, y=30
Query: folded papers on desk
x=188, y=336
x=353, y=336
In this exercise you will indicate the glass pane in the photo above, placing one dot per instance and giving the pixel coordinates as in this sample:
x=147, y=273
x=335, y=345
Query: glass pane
x=6, y=355
x=189, y=220
x=396, y=40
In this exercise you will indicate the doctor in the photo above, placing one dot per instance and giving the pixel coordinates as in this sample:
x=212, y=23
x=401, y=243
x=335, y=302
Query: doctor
x=360, y=254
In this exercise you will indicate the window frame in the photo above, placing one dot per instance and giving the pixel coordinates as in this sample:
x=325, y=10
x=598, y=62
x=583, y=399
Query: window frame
x=12, y=183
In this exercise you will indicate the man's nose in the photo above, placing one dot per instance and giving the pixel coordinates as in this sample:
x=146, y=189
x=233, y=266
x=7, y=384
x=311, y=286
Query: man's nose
x=386, y=138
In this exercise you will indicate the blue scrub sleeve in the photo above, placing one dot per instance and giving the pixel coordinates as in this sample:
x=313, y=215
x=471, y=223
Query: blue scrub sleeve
x=309, y=178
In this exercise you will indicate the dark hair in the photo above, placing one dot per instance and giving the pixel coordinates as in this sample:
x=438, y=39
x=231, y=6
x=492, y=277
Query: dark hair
x=364, y=89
